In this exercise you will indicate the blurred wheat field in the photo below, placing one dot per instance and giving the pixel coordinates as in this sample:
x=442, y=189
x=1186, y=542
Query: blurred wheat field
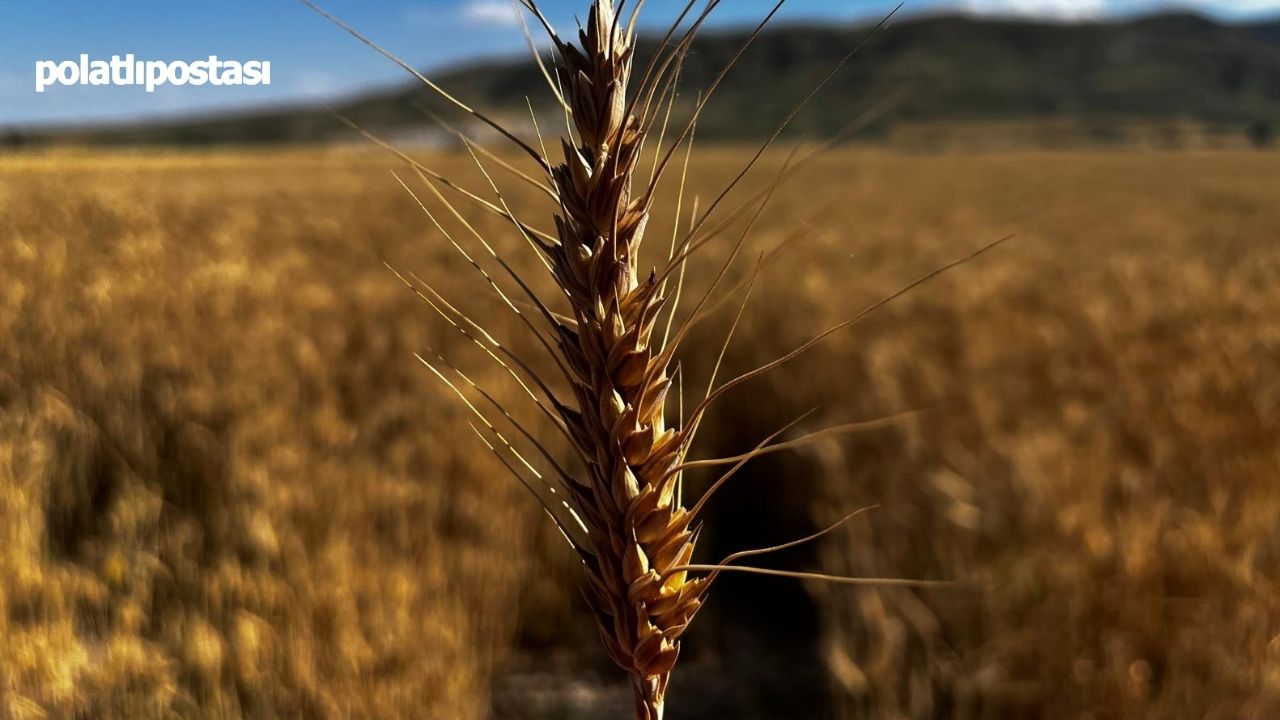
x=228, y=489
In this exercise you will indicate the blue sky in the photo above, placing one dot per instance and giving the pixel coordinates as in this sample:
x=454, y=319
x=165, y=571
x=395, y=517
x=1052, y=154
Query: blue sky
x=312, y=59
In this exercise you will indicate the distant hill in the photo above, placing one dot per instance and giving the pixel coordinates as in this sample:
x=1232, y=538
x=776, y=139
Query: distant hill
x=1163, y=67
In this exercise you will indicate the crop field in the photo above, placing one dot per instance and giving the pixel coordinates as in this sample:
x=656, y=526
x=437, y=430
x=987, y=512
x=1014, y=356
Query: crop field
x=228, y=488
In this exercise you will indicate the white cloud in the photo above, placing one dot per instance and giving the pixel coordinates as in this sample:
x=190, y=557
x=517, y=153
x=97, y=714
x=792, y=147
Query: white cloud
x=1060, y=9
x=314, y=83
x=1241, y=6
x=490, y=12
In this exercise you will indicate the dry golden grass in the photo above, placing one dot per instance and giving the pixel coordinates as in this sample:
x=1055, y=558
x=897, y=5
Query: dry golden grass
x=227, y=488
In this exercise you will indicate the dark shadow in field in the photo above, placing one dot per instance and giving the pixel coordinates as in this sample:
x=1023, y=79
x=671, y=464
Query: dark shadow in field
x=755, y=654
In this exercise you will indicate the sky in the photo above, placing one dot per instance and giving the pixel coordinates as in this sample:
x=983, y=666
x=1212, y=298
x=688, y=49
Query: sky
x=311, y=59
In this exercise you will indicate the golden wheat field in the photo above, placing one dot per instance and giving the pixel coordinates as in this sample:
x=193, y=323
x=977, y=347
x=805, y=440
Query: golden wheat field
x=229, y=489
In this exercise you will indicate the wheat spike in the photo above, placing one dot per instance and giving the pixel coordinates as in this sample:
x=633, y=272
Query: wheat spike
x=637, y=530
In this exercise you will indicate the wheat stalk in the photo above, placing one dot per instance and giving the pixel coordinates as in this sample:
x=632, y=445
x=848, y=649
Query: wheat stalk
x=623, y=515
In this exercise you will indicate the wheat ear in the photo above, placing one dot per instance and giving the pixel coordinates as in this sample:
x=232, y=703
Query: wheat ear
x=637, y=531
